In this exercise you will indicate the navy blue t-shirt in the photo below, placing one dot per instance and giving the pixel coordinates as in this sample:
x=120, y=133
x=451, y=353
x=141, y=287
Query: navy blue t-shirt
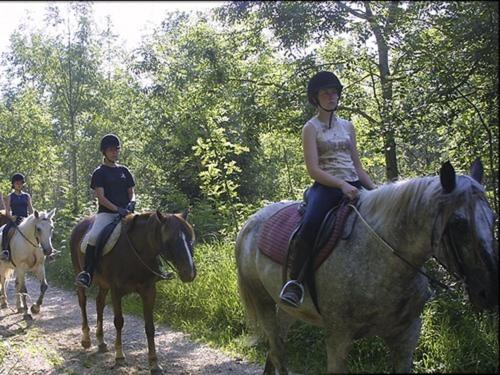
x=115, y=181
x=19, y=204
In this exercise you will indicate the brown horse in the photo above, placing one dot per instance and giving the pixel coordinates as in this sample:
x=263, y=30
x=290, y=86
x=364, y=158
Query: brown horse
x=133, y=266
x=3, y=219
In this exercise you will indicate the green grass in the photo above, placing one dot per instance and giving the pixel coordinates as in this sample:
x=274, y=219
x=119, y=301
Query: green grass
x=454, y=338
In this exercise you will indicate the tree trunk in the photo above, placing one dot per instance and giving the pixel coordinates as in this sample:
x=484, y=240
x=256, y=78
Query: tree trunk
x=391, y=163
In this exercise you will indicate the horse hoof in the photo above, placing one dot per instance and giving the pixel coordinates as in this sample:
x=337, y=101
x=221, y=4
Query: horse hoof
x=35, y=309
x=102, y=348
x=27, y=317
x=119, y=362
x=85, y=344
x=157, y=371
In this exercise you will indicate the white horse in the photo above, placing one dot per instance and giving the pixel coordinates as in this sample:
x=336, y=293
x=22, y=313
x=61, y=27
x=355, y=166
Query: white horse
x=365, y=288
x=30, y=244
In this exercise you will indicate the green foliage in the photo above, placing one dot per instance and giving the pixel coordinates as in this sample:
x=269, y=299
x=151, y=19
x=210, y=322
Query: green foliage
x=210, y=111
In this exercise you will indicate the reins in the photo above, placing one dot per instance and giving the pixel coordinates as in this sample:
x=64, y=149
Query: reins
x=27, y=239
x=134, y=250
x=432, y=280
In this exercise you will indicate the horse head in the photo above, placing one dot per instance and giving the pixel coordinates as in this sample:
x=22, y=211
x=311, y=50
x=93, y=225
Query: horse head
x=463, y=235
x=44, y=226
x=177, y=241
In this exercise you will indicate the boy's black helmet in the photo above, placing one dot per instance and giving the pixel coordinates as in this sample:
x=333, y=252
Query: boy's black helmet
x=322, y=80
x=17, y=177
x=109, y=140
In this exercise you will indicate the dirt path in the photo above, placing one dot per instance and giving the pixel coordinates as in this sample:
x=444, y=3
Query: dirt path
x=50, y=344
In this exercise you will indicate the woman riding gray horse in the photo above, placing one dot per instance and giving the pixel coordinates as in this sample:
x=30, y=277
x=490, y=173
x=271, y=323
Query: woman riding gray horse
x=332, y=161
x=373, y=284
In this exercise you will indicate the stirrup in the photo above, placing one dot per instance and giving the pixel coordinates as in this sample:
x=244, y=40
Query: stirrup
x=289, y=301
x=5, y=255
x=83, y=279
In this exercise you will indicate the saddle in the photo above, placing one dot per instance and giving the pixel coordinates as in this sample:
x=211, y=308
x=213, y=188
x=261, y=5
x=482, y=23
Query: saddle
x=280, y=229
x=10, y=233
x=107, y=238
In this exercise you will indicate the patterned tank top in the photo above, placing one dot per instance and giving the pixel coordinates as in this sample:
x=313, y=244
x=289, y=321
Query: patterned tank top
x=19, y=204
x=334, y=148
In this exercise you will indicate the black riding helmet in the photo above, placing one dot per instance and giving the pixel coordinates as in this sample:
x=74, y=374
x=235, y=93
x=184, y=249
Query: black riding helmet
x=17, y=177
x=109, y=140
x=322, y=80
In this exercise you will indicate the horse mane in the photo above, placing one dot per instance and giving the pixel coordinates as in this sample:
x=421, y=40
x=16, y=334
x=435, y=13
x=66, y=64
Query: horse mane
x=182, y=223
x=178, y=223
x=41, y=215
x=403, y=201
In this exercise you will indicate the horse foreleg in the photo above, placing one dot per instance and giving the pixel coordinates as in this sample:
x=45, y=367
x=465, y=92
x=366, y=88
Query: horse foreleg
x=116, y=297
x=3, y=288
x=82, y=301
x=402, y=347
x=40, y=274
x=148, y=300
x=21, y=292
x=338, y=346
x=100, y=303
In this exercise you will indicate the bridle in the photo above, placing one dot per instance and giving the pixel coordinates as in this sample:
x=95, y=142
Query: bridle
x=444, y=239
x=449, y=242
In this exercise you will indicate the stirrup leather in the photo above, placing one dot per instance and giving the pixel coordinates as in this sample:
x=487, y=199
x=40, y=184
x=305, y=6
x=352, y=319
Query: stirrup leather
x=296, y=283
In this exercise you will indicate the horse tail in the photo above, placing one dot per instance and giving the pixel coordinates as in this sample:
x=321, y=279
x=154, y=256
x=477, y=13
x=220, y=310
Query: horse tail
x=250, y=288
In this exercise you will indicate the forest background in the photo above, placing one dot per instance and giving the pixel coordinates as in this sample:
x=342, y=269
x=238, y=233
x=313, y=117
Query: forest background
x=209, y=108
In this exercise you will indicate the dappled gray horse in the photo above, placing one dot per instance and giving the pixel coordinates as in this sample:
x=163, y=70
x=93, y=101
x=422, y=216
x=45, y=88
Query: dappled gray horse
x=363, y=288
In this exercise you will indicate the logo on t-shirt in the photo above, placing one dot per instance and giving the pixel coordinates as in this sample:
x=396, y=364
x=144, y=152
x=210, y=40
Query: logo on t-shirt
x=123, y=175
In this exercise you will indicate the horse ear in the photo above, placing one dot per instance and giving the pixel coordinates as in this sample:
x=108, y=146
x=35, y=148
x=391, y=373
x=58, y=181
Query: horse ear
x=447, y=177
x=36, y=214
x=160, y=216
x=51, y=213
x=185, y=213
x=477, y=170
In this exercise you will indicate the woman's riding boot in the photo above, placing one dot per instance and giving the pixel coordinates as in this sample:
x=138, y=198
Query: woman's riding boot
x=84, y=278
x=292, y=292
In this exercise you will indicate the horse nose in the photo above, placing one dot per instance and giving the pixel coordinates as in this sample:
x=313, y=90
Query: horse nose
x=48, y=251
x=189, y=276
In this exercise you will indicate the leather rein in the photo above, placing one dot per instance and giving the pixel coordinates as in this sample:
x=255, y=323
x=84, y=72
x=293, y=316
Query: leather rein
x=431, y=279
x=134, y=250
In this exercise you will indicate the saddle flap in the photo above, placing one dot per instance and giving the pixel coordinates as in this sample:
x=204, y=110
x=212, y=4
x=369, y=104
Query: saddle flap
x=10, y=233
x=107, y=245
x=280, y=228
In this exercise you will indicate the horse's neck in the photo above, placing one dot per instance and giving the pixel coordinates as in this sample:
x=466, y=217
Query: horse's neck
x=141, y=233
x=408, y=233
x=27, y=230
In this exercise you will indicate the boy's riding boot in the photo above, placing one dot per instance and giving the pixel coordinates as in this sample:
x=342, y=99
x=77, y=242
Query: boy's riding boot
x=292, y=292
x=84, y=278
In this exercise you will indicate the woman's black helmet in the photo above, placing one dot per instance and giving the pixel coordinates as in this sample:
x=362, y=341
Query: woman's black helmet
x=109, y=140
x=17, y=177
x=322, y=80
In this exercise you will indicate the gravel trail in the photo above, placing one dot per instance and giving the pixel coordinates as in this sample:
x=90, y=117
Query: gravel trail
x=50, y=343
